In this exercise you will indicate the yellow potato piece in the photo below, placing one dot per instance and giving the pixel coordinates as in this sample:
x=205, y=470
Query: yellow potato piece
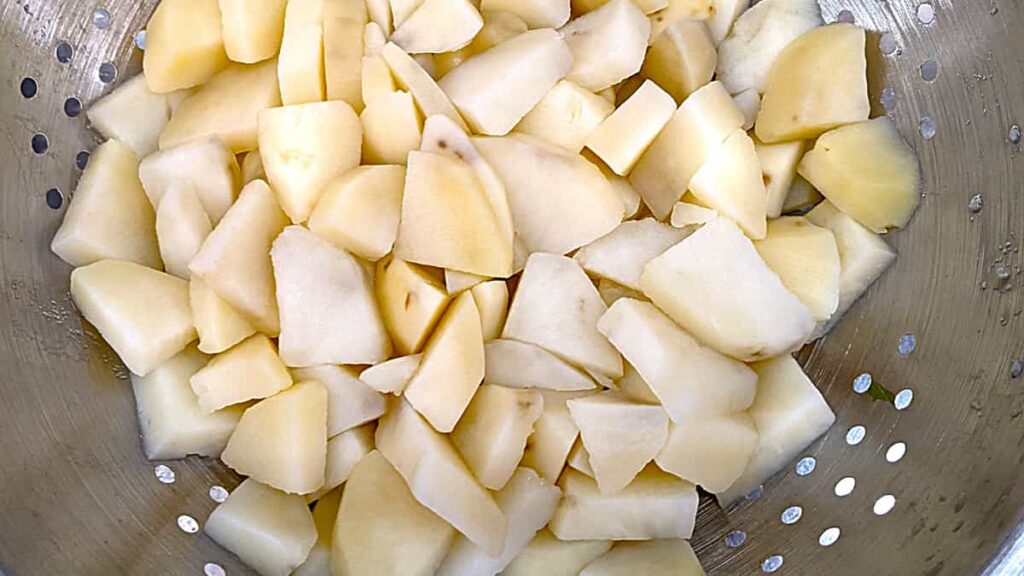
x=359, y=210
x=682, y=58
x=219, y=325
x=249, y=371
x=806, y=259
x=411, y=301
x=392, y=127
x=252, y=28
x=300, y=64
x=344, y=25
x=184, y=45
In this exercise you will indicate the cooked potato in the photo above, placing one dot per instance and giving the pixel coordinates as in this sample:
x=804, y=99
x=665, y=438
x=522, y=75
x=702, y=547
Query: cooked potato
x=623, y=136
x=252, y=30
x=682, y=58
x=252, y=167
x=554, y=435
x=379, y=12
x=208, y=166
x=133, y=115
x=633, y=386
x=621, y=254
x=359, y=210
x=723, y=14
x=438, y=26
x=520, y=365
x=731, y=183
x=350, y=402
x=344, y=27
x=181, y=227
x=778, y=169
x=300, y=63
x=566, y=116
x=536, y=13
x=669, y=557
x=249, y=371
x=344, y=452
x=608, y=44
x=801, y=196
x=550, y=556
x=749, y=102
x=184, y=45
x=219, y=325
x=499, y=26
x=391, y=376
x=376, y=79
x=318, y=562
x=411, y=301
x=679, y=10
x=686, y=214
x=711, y=452
x=412, y=78
x=491, y=300
x=392, y=127
x=807, y=261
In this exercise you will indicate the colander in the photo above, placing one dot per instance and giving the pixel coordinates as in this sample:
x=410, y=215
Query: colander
x=928, y=483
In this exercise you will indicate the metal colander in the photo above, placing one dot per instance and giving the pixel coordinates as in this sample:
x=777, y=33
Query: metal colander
x=928, y=484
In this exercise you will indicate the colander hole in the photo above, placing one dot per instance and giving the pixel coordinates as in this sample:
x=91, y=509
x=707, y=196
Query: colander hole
x=29, y=88
x=887, y=44
x=735, y=539
x=792, y=515
x=888, y=99
x=188, y=524
x=805, y=466
x=211, y=569
x=845, y=16
x=64, y=52
x=884, y=505
x=895, y=452
x=861, y=383
x=772, y=563
x=929, y=70
x=101, y=18
x=82, y=159
x=108, y=72
x=829, y=536
x=218, y=494
x=755, y=493
x=54, y=198
x=927, y=127
x=855, y=435
x=140, y=39
x=72, y=107
x=925, y=13
x=40, y=143
x=903, y=399
x=845, y=486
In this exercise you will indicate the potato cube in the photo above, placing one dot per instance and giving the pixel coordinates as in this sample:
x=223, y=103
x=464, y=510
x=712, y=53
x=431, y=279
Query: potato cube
x=554, y=435
x=682, y=58
x=731, y=183
x=520, y=365
x=132, y=114
x=208, y=166
x=608, y=45
x=566, y=116
x=184, y=45
x=344, y=452
x=491, y=300
x=778, y=169
x=391, y=376
x=351, y=402
x=181, y=227
x=710, y=452
x=249, y=371
x=491, y=435
x=392, y=127
x=359, y=210
x=438, y=26
x=411, y=301
x=344, y=28
x=807, y=261
x=252, y=29
x=219, y=325
x=621, y=254
x=300, y=63
x=622, y=138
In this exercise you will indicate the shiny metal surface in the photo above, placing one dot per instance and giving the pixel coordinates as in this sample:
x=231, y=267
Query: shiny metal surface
x=77, y=496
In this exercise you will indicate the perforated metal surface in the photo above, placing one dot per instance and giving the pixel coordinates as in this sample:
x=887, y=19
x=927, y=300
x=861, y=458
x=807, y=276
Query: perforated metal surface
x=936, y=486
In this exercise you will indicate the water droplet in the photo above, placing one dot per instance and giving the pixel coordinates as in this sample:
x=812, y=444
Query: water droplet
x=855, y=435
x=1016, y=369
x=164, y=474
x=218, y=494
x=895, y=452
x=792, y=515
x=907, y=344
x=976, y=203
x=771, y=564
x=862, y=383
x=1015, y=134
x=188, y=524
x=884, y=505
x=735, y=539
x=845, y=486
x=927, y=128
x=829, y=536
x=903, y=399
x=101, y=18
x=888, y=99
x=805, y=466
x=929, y=70
x=887, y=44
x=926, y=13
x=211, y=569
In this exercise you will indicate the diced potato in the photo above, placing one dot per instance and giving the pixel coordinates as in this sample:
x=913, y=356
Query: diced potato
x=491, y=436
x=456, y=282
x=521, y=365
x=731, y=183
x=438, y=26
x=633, y=386
x=622, y=138
x=746, y=56
x=141, y=313
x=550, y=556
x=799, y=101
x=452, y=366
x=867, y=171
x=680, y=10
x=579, y=460
x=411, y=301
x=801, y=196
x=282, y=441
x=496, y=88
x=392, y=127
x=181, y=227
x=620, y=436
x=685, y=214
x=778, y=169
x=554, y=435
x=716, y=286
x=536, y=13
x=219, y=325
x=672, y=557
x=379, y=12
x=723, y=14
x=252, y=30
x=710, y=452
x=749, y=102
x=109, y=216
x=249, y=371
x=556, y=307
x=359, y=210
x=654, y=505
x=499, y=26
x=272, y=532
x=697, y=128
x=344, y=452
x=300, y=64
x=391, y=376
x=566, y=116
x=171, y=422
x=208, y=166
x=682, y=58
x=807, y=261
x=235, y=259
x=376, y=78
x=344, y=27
x=620, y=255
x=438, y=478
x=608, y=45
x=412, y=78
x=252, y=167
x=350, y=402
x=227, y=106
x=789, y=413
x=529, y=502
x=491, y=300
x=184, y=45
x=610, y=292
x=318, y=562
x=131, y=114
x=559, y=201
x=304, y=147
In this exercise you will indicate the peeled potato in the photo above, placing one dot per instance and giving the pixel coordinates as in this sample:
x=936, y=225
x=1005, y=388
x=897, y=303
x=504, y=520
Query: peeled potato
x=731, y=183
x=344, y=28
x=249, y=371
x=411, y=301
x=682, y=58
x=206, y=166
x=438, y=26
x=807, y=261
x=391, y=376
x=392, y=127
x=219, y=325
x=184, y=45
x=359, y=210
x=252, y=29
x=548, y=555
x=492, y=301
x=623, y=136
x=300, y=63
x=181, y=227
x=132, y=114
x=411, y=77
x=667, y=557
x=536, y=13
x=618, y=23
x=709, y=451
x=566, y=116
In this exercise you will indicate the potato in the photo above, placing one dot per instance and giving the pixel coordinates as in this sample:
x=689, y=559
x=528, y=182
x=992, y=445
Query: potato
x=171, y=422
x=536, y=13
x=697, y=128
x=554, y=435
x=646, y=6
x=235, y=259
x=300, y=64
x=249, y=371
x=716, y=286
x=621, y=138
x=685, y=214
x=556, y=307
x=529, y=502
x=318, y=562
x=412, y=78
x=807, y=261
x=520, y=365
x=184, y=45
x=495, y=89
x=438, y=478
x=392, y=127
x=680, y=10
x=252, y=30
x=350, y=402
x=402, y=9
x=304, y=147
x=867, y=171
x=132, y=114
x=566, y=116
x=608, y=44
x=219, y=325
x=181, y=227
x=252, y=167
x=381, y=530
x=455, y=281
x=376, y=80
x=709, y=451
x=789, y=413
x=328, y=312
x=654, y=505
x=499, y=26
x=438, y=26
x=491, y=435
x=452, y=366
x=391, y=376
x=344, y=26
x=379, y=12
x=344, y=452
x=272, y=532
x=778, y=168
x=723, y=14
x=682, y=58
x=448, y=220
x=227, y=106
x=550, y=556
x=672, y=557
x=749, y=102
x=801, y=196
x=207, y=165
x=799, y=101
x=579, y=460
x=411, y=301
x=746, y=56
x=633, y=386
x=689, y=379
x=620, y=255
x=731, y=183
x=491, y=300
x=359, y=210
x=109, y=216
x=630, y=199
x=558, y=200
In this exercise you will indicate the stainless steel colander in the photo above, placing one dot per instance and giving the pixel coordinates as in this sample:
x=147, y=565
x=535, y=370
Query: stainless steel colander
x=932, y=488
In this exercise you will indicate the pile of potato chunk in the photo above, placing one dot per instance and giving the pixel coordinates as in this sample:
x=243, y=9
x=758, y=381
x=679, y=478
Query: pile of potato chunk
x=479, y=287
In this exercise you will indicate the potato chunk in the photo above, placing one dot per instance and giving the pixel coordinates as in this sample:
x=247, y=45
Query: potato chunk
x=412, y=78
x=670, y=557
x=567, y=115
x=132, y=114
x=731, y=183
x=608, y=45
x=249, y=371
x=300, y=63
x=778, y=169
x=411, y=301
x=623, y=136
x=807, y=261
x=520, y=365
x=491, y=435
x=344, y=452
x=438, y=26
x=359, y=210
x=710, y=452
x=184, y=45
x=550, y=556
x=392, y=127
x=536, y=13
x=350, y=402
x=621, y=254
x=208, y=166
x=554, y=435
x=391, y=377
x=682, y=58
x=344, y=30
x=252, y=29
x=219, y=325
x=181, y=227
